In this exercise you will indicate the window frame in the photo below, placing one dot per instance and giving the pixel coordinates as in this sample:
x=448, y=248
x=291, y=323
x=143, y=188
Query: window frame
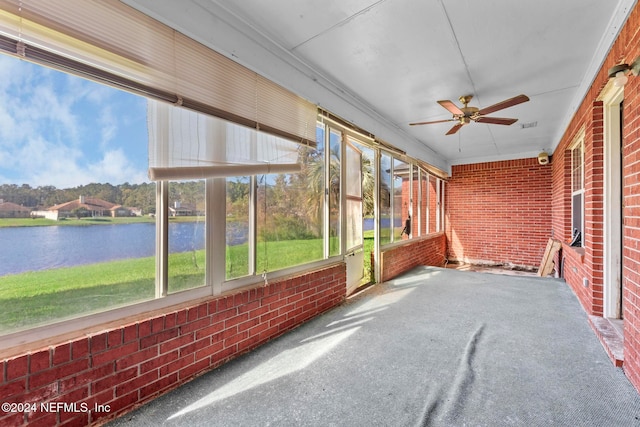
x=215, y=189
x=577, y=188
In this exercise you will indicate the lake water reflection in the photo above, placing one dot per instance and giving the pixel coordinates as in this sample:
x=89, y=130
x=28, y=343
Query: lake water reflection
x=42, y=248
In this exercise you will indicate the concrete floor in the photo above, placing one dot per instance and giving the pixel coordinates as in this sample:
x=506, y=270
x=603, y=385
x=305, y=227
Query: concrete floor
x=434, y=347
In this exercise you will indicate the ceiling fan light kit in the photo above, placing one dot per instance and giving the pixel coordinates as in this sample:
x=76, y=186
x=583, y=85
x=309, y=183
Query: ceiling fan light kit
x=466, y=114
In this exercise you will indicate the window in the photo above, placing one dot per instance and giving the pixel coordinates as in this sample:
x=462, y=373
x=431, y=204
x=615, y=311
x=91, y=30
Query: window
x=76, y=164
x=186, y=235
x=440, y=221
x=433, y=215
x=400, y=203
x=288, y=223
x=424, y=203
x=238, y=237
x=577, y=191
x=334, y=165
x=386, y=224
x=414, y=208
x=411, y=201
x=229, y=201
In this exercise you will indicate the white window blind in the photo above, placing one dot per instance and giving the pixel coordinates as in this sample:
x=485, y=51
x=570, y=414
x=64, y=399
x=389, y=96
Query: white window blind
x=111, y=42
x=185, y=144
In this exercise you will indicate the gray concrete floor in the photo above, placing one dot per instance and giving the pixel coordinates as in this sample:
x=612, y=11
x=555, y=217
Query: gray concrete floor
x=434, y=347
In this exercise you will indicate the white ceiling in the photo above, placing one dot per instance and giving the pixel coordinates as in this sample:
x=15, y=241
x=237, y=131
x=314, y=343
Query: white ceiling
x=383, y=64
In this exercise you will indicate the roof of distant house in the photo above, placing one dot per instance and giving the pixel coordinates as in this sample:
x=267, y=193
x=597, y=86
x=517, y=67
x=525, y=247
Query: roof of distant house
x=88, y=203
x=8, y=206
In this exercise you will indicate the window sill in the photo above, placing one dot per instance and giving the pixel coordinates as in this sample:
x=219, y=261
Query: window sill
x=576, y=253
x=38, y=337
x=388, y=246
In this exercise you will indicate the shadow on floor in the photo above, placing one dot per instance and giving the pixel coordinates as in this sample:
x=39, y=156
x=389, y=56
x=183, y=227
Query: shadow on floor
x=433, y=347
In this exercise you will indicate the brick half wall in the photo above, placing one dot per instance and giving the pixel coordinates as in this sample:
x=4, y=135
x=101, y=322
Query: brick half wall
x=116, y=370
x=429, y=250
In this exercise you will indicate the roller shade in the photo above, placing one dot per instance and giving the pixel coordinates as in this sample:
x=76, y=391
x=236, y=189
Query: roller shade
x=113, y=43
x=185, y=144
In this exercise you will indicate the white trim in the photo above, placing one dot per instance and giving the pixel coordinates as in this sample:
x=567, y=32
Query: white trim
x=326, y=225
x=162, y=233
x=578, y=141
x=618, y=19
x=376, y=215
x=442, y=207
x=438, y=206
x=612, y=227
x=216, y=229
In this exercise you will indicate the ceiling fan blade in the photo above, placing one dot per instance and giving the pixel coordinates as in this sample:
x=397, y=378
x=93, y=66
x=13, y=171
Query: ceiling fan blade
x=454, y=129
x=453, y=108
x=504, y=104
x=496, y=120
x=430, y=123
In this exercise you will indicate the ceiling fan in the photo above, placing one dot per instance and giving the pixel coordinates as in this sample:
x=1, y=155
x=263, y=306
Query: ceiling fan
x=468, y=114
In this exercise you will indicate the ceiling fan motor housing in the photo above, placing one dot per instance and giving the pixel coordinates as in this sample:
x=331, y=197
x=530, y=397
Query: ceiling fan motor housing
x=470, y=111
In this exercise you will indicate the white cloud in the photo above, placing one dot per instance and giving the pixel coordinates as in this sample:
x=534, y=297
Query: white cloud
x=109, y=125
x=63, y=167
x=60, y=130
x=113, y=166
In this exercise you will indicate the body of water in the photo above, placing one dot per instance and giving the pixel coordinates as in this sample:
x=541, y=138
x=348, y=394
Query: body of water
x=42, y=248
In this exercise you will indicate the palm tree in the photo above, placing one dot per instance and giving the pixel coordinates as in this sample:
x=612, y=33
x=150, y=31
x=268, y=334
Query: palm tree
x=315, y=171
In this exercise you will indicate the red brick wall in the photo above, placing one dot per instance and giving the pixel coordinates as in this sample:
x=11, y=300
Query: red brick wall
x=589, y=115
x=629, y=44
x=573, y=272
x=499, y=212
x=428, y=250
x=128, y=365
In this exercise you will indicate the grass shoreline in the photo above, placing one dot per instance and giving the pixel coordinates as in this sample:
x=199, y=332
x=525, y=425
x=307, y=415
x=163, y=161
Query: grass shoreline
x=83, y=222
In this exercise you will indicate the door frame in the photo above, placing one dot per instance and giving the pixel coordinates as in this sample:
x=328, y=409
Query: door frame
x=612, y=97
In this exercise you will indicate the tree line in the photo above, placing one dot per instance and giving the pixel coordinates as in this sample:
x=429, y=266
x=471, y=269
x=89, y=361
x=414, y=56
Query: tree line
x=293, y=202
x=141, y=196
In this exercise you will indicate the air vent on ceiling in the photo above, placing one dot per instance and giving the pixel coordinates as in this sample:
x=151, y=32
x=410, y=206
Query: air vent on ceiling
x=529, y=125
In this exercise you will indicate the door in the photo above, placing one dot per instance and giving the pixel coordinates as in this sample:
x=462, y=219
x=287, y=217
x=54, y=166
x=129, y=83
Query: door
x=354, y=238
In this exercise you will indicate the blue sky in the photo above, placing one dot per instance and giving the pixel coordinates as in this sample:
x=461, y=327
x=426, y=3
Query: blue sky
x=61, y=130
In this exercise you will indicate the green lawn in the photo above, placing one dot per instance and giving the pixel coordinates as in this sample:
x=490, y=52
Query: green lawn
x=272, y=256
x=36, y=298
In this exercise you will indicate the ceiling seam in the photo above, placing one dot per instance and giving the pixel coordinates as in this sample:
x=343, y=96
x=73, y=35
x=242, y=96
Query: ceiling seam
x=466, y=67
x=455, y=38
x=339, y=24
